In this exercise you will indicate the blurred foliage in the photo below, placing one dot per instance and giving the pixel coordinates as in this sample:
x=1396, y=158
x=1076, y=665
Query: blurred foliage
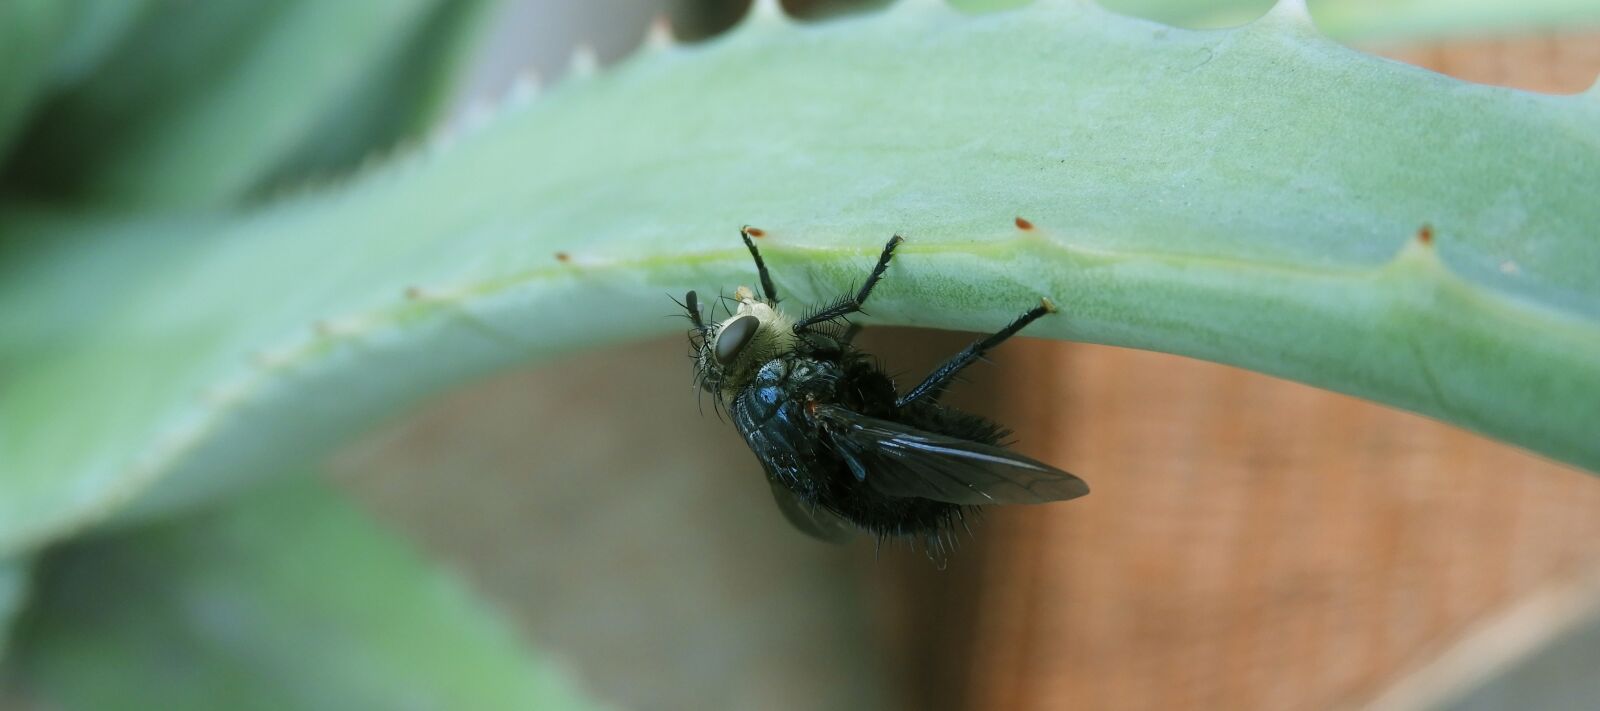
x=287, y=599
x=201, y=103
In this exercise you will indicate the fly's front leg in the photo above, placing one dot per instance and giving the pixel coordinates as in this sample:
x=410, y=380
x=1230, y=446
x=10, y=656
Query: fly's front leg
x=853, y=304
x=933, y=386
x=767, y=291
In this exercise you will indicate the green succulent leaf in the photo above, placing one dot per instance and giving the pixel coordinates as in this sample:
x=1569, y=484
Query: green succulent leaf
x=1411, y=20
x=287, y=599
x=206, y=102
x=1252, y=196
x=1368, y=20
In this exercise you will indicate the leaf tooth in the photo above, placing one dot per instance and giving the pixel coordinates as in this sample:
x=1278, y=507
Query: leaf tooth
x=1420, y=251
x=173, y=442
x=584, y=62
x=659, y=37
x=228, y=393
x=1073, y=4
x=479, y=114
x=343, y=327
x=764, y=13
x=476, y=116
x=524, y=89
x=1289, y=14
x=279, y=358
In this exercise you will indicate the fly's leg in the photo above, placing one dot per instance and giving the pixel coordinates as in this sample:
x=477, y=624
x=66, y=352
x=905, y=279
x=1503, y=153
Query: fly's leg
x=852, y=304
x=767, y=291
x=933, y=386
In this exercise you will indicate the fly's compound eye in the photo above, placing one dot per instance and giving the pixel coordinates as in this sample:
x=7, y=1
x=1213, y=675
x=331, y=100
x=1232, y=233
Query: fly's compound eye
x=734, y=337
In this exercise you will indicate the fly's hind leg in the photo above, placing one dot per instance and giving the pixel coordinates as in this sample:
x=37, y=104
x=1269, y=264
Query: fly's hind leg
x=852, y=304
x=933, y=386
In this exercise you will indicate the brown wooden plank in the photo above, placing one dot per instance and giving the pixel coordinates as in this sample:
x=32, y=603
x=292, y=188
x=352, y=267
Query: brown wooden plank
x=1251, y=543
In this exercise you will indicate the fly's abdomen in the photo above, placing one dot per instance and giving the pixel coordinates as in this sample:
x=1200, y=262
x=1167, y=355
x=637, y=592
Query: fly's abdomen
x=771, y=414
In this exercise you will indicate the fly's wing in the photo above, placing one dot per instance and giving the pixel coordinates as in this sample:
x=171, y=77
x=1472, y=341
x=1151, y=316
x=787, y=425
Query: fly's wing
x=773, y=442
x=900, y=460
x=818, y=523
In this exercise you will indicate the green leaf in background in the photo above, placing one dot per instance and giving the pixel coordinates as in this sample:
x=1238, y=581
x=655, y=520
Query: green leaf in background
x=401, y=97
x=13, y=594
x=287, y=599
x=206, y=101
x=30, y=32
x=1250, y=196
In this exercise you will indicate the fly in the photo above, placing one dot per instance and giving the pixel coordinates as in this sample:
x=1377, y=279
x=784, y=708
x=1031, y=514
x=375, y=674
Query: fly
x=842, y=447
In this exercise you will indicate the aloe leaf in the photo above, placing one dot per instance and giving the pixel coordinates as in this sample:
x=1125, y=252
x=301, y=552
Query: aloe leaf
x=1250, y=196
x=1364, y=20
x=206, y=100
x=288, y=599
x=1411, y=20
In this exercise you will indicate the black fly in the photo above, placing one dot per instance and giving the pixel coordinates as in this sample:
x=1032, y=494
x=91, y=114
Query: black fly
x=842, y=448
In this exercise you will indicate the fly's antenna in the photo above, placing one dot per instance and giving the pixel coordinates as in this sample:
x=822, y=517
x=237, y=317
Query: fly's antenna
x=691, y=308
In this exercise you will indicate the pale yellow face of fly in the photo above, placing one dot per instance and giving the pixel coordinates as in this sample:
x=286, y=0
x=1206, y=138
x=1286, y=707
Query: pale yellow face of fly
x=755, y=333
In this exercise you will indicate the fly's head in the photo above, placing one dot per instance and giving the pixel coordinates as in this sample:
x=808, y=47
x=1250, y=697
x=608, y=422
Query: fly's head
x=728, y=352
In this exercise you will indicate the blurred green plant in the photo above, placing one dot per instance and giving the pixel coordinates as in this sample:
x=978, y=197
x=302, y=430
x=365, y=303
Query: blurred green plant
x=286, y=599
x=174, y=326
